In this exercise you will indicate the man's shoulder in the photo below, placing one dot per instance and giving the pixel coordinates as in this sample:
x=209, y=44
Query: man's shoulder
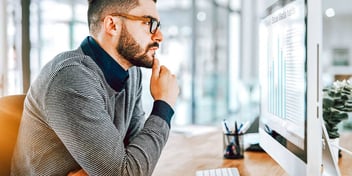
x=68, y=64
x=71, y=58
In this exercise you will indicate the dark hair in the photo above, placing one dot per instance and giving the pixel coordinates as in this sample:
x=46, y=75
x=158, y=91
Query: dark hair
x=97, y=9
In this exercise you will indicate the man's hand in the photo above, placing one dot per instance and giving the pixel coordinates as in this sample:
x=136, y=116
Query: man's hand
x=80, y=172
x=163, y=84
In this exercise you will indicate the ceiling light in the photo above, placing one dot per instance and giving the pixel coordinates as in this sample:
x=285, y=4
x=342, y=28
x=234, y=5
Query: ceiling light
x=201, y=16
x=330, y=12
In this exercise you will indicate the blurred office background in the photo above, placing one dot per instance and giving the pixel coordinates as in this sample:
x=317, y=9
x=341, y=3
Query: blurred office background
x=211, y=45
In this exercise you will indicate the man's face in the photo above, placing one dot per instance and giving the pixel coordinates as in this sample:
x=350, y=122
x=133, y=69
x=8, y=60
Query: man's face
x=132, y=51
x=136, y=44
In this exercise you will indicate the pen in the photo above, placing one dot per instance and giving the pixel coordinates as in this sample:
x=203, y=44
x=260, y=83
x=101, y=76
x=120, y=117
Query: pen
x=244, y=128
x=239, y=128
x=237, y=143
x=225, y=128
x=236, y=129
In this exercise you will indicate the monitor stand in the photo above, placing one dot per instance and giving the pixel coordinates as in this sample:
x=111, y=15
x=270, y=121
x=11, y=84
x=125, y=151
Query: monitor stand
x=329, y=165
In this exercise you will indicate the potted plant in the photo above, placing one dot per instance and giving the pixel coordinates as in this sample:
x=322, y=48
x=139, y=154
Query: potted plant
x=337, y=103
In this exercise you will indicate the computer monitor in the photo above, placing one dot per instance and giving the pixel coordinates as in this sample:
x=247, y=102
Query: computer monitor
x=290, y=127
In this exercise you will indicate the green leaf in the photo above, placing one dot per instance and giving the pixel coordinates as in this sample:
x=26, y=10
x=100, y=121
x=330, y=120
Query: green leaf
x=328, y=102
x=333, y=135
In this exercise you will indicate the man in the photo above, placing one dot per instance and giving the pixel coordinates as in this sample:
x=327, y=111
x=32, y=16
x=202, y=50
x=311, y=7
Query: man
x=84, y=111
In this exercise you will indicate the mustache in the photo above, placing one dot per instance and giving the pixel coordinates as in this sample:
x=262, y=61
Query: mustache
x=155, y=44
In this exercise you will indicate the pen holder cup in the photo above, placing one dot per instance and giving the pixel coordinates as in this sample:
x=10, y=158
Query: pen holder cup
x=233, y=146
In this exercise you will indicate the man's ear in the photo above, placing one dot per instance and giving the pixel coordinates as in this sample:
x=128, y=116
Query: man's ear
x=112, y=25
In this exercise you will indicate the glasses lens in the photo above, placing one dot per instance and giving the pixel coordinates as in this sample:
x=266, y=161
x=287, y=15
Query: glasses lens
x=154, y=26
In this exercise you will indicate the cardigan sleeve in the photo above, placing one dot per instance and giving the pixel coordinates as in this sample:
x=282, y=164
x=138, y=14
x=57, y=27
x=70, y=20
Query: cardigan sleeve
x=160, y=108
x=75, y=110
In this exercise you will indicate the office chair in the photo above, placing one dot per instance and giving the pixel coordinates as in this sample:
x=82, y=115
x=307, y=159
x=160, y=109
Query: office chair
x=11, y=108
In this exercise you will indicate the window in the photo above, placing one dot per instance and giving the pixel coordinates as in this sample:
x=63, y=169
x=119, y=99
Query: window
x=56, y=26
x=10, y=49
x=198, y=50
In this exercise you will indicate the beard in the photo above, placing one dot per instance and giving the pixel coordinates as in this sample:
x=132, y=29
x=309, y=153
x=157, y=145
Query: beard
x=130, y=50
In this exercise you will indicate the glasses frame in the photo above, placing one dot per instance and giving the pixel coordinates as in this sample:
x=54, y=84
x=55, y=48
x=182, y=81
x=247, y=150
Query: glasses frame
x=153, y=23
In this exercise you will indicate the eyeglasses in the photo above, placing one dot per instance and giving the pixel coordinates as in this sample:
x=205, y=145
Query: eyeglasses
x=152, y=22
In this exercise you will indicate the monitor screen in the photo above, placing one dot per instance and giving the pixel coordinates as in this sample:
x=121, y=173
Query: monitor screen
x=284, y=76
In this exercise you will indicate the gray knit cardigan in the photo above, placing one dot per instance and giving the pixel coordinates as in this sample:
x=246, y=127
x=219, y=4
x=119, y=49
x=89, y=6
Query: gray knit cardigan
x=73, y=119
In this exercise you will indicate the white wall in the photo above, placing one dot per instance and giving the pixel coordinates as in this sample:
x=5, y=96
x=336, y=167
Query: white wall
x=337, y=33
